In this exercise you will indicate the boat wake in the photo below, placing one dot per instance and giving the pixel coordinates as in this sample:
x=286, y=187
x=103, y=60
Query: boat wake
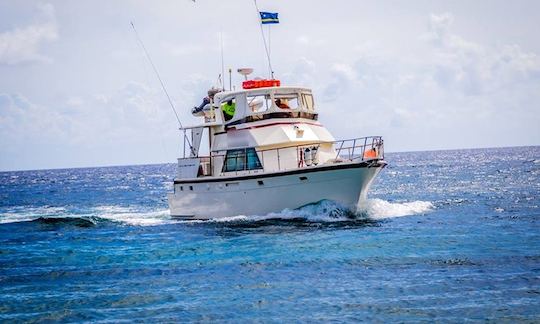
x=321, y=212
x=330, y=211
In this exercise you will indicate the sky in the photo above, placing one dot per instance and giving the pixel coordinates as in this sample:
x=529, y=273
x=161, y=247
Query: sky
x=77, y=91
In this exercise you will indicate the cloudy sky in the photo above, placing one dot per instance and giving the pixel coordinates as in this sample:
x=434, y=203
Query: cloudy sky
x=76, y=90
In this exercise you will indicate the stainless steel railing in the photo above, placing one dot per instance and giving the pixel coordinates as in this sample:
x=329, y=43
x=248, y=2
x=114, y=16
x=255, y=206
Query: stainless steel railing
x=249, y=160
x=362, y=148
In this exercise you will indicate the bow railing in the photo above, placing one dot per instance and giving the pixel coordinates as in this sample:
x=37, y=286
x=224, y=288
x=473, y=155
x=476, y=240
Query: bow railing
x=362, y=148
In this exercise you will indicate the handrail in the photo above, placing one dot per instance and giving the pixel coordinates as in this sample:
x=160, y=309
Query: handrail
x=304, y=144
x=369, y=148
x=376, y=148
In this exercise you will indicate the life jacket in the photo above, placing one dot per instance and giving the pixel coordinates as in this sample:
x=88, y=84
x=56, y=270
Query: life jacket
x=370, y=154
x=229, y=109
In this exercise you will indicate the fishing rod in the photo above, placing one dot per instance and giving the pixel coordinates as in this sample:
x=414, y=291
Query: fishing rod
x=186, y=139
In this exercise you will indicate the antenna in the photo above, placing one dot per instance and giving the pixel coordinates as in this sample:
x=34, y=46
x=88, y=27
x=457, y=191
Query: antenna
x=161, y=82
x=222, y=60
x=230, y=79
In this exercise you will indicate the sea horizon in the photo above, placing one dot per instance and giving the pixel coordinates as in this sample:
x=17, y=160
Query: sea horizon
x=174, y=162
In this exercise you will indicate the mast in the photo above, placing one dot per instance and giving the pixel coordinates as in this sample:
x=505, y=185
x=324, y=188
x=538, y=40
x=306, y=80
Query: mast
x=270, y=70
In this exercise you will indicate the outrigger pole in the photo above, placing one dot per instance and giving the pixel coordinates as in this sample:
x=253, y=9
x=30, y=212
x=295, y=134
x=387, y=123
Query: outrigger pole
x=264, y=41
x=186, y=139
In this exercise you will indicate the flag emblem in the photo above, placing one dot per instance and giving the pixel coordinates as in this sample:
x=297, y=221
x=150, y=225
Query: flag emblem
x=269, y=18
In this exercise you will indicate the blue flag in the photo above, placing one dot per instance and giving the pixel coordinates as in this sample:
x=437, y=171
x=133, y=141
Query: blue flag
x=269, y=18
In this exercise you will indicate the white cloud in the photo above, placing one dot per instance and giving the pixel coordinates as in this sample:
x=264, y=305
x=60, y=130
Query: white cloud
x=307, y=41
x=342, y=75
x=74, y=102
x=302, y=72
x=134, y=123
x=22, y=44
x=475, y=69
x=455, y=91
x=181, y=49
x=439, y=27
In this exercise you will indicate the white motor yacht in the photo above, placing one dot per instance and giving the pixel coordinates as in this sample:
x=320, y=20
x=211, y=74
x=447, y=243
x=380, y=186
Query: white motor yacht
x=272, y=154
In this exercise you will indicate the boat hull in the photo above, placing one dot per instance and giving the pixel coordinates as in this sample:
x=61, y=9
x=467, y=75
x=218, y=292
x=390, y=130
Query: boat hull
x=218, y=197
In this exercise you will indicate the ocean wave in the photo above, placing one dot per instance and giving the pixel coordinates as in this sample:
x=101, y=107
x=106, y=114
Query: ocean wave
x=28, y=214
x=321, y=212
x=92, y=216
x=69, y=221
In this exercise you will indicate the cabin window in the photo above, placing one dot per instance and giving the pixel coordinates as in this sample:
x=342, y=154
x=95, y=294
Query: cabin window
x=286, y=101
x=241, y=159
x=307, y=100
x=258, y=103
x=252, y=160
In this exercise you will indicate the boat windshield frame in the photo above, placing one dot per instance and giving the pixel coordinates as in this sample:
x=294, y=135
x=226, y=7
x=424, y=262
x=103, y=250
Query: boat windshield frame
x=248, y=103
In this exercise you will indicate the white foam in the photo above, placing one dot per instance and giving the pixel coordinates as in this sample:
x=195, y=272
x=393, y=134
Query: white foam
x=381, y=209
x=28, y=214
x=329, y=211
x=324, y=211
x=132, y=216
x=126, y=215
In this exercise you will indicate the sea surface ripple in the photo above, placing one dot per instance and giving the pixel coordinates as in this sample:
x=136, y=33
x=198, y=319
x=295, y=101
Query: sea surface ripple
x=444, y=236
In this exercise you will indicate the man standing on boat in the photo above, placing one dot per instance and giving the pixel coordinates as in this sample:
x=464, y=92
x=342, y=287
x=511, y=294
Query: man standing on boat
x=206, y=100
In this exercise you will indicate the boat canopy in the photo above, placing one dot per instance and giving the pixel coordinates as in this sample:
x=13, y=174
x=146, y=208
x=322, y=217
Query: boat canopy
x=261, y=103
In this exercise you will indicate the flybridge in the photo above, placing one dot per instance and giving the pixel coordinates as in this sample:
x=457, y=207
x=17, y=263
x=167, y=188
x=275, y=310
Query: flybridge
x=265, y=100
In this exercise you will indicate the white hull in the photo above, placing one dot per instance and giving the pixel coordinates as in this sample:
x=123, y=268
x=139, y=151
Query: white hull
x=260, y=194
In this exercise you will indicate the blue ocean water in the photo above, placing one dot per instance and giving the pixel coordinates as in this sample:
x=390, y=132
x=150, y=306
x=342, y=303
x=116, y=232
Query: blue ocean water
x=445, y=235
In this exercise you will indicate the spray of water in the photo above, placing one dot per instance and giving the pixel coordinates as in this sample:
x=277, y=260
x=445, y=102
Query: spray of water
x=323, y=211
x=329, y=211
x=381, y=209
